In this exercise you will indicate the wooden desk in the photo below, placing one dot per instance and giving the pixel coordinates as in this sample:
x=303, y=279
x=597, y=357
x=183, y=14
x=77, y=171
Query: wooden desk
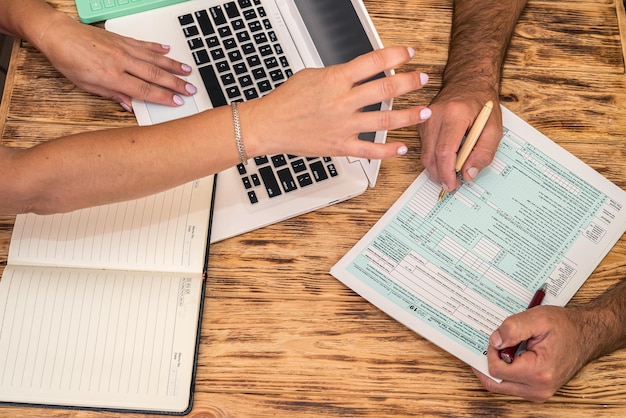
x=282, y=337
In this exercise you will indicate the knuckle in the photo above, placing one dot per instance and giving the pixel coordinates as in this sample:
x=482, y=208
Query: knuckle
x=385, y=120
x=145, y=89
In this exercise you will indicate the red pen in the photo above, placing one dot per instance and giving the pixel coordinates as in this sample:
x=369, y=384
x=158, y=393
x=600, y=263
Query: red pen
x=508, y=354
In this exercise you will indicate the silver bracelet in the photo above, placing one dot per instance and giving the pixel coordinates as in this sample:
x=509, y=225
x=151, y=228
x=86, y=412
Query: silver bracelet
x=238, y=139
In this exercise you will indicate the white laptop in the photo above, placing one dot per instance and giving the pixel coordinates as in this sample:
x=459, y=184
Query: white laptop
x=241, y=49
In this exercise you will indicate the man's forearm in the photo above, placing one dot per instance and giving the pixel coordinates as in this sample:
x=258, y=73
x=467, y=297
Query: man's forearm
x=481, y=31
x=604, y=322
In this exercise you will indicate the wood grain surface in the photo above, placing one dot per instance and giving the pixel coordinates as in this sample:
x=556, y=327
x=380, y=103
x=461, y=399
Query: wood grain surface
x=281, y=337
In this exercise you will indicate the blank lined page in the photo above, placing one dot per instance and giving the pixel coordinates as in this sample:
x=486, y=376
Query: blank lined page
x=95, y=338
x=162, y=232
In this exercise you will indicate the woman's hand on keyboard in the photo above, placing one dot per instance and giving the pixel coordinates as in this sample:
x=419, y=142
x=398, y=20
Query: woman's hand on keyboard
x=113, y=66
x=318, y=111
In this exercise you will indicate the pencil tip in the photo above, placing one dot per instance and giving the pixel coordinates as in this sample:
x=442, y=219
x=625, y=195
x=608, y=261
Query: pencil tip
x=442, y=194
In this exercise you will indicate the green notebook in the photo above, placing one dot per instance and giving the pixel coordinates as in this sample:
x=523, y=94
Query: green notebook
x=90, y=11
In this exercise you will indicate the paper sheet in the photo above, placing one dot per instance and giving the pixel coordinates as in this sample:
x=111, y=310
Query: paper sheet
x=453, y=270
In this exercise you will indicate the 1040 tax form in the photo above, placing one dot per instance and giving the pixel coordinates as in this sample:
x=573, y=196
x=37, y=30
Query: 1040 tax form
x=453, y=270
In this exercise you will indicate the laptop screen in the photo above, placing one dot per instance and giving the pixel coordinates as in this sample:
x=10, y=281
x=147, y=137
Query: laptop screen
x=335, y=29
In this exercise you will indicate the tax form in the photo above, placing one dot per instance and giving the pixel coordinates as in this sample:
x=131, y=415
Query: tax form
x=453, y=270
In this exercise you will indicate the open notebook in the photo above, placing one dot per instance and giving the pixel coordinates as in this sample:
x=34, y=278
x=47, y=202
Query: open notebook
x=101, y=307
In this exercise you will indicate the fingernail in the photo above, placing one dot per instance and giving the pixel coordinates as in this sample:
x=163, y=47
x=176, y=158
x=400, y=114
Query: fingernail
x=411, y=52
x=165, y=46
x=186, y=68
x=402, y=150
x=445, y=187
x=424, y=78
x=472, y=172
x=496, y=339
x=425, y=113
x=126, y=107
x=178, y=100
x=190, y=88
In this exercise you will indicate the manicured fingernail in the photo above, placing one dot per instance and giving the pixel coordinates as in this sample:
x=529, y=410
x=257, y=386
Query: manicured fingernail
x=402, y=150
x=411, y=52
x=178, y=100
x=186, y=68
x=165, y=46
x=424, y=78
x=126, y=107
x=190, y=88
x=425, y=113
x=472, y=172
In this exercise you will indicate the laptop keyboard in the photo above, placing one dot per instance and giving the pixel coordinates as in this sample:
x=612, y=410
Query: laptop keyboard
x=240, y=58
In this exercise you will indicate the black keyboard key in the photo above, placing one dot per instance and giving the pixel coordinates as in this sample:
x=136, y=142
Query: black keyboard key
x=222, y=66
x=259, y=73
x=265, y=50
x=260, y=38
x=318, y=170
x=298, y=166
x=287, y=181
x=278, y=160
x=245, y=81
x=267, y=24
x=288, y=73
x=242, y=169
x=233, y=92
x=231, y=10
x=246, y=182
x=244, y=3
x=228, y=79
x=269, y=180
x=270, y=62
x=248, y=48
x=255, y=26
x=240, y=68
x=218, y=15
x=284, y=62
x=205, y=23
x=305, y=180
x=195, y=43
x=230, y=43
x=255, y=180
x=235, y=56
x=253, y=60
x=212, y=86
x=217, y=54
x=185, y=19
x=224, y=31
x=251, y=94
x=252, y=197
x=249, y=14
x=264, y=86
x=278, y=49
x=238, y=24
x=272, y=36
x=261, y=160
x=277, y=75
x=212, y=41
x=261, y=11
x=332, y=170
x=201, y=57
x=243, y=36
x=190, y=31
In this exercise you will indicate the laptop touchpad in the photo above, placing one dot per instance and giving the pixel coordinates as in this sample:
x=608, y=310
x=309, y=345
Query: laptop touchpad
x=161, y=113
